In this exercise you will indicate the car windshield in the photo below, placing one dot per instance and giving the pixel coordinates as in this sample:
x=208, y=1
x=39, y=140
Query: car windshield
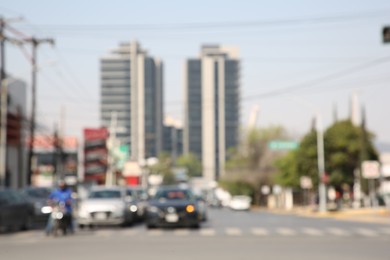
x=38, y=193
x=173, y=195
x=105, y=194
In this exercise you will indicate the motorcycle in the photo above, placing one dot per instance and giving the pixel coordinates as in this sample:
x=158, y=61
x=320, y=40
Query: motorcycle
x=60, y=219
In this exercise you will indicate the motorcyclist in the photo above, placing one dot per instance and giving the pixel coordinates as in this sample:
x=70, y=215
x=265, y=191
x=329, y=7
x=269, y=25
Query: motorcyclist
x=62, y=194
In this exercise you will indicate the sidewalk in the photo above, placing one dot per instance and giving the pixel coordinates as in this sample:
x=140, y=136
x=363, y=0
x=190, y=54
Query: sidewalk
x=378, y=215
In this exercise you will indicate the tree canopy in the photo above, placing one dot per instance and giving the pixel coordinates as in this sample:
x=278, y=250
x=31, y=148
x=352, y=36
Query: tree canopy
x=345, y=147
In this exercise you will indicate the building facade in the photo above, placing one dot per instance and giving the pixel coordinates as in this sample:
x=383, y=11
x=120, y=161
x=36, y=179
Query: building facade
x=132, y=89
x=212, y=104
x=173, y=138
x=16, y=152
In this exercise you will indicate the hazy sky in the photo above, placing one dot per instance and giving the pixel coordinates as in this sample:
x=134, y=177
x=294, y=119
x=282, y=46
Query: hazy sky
x=298, y=57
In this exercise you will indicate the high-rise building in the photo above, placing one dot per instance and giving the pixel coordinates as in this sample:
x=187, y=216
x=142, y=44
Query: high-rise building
x=132, y=88
x=173, y=137
x=212, y=103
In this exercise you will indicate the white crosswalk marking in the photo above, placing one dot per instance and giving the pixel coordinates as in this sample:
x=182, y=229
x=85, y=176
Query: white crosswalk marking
x=207, y=232
x=259, y=231
x=312, y=232
x=286, y=231
x=233, y=231
x=385, y=231
x=366, y=232
x=155, y=232
x=338, y=232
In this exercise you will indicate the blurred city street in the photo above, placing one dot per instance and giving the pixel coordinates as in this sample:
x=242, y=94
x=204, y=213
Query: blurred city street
x=227, y=235
x=194, y=130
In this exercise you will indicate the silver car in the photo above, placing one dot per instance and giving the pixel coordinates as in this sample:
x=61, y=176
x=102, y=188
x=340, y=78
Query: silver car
x=104, y=206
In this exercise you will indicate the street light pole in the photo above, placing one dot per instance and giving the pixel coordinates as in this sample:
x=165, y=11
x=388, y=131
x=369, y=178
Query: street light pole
x=321, y=166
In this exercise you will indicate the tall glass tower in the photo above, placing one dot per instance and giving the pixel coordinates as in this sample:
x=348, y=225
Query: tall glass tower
x=212, y=104
x=132, y=88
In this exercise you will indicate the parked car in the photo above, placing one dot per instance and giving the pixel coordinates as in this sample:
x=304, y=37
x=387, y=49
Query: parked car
x=240, y=202
x=38, y=196
x=15, y=211
x=104, y=206
x=173, y=206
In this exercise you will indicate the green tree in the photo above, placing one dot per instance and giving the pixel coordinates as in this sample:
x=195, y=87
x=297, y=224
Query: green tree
x=164, y=167
x=344, y=145
x=288, y=174
x=190, y=162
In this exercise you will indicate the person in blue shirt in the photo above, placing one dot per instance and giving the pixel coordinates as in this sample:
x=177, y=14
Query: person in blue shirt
x=61, y=195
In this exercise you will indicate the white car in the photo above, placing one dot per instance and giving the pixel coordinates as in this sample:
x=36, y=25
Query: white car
x=105, y=206
x=240, y=202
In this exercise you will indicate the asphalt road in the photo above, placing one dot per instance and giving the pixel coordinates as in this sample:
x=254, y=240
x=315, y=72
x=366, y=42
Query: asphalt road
x=227, y=235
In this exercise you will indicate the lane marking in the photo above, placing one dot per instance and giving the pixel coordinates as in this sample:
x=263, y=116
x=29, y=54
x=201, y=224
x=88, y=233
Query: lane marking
x=385, y=231
x=233, y=231
x=366, y=232
x=286, y=231
x=155, y=233
x=259, y=232
x=338, y=232
x=207, y=232
x=312, y=232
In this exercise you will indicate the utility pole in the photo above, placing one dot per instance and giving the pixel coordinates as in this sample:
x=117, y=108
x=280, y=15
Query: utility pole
x=321, y=166
x=4, y=97
x=112, y=146
x=35, y=43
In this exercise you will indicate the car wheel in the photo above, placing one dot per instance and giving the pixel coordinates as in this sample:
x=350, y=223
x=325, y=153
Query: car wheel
x=150, y=226
x=28, y=223
x=195, y=226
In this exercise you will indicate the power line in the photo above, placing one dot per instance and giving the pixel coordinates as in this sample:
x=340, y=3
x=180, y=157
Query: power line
x=320, y=80
x=220, y=24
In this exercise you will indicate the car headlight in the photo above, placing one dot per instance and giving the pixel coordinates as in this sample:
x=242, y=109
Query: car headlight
x=46, y=209
x=133, y=208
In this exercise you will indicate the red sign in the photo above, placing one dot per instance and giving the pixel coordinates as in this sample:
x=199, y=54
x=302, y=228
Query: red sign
x=91, y=134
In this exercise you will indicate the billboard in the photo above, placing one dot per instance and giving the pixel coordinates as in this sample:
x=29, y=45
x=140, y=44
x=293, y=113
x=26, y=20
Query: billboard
x=95, y=154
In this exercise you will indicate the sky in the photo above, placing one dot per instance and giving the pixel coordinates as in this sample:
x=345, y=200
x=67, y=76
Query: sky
x=299, y=58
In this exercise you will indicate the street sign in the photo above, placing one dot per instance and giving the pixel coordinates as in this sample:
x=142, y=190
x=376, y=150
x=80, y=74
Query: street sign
x=371, y=169
x=283, y=145
x=386, y=34
x=265, y=190
x=122, y=155
x=306, y=182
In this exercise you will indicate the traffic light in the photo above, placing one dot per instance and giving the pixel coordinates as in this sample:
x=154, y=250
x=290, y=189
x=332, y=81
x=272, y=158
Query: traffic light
x=386, y=34
x=14, y=126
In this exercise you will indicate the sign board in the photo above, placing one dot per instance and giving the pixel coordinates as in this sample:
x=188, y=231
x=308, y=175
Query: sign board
x=122, y=155
x=276, y=189
x=385, y=162
x=283, y=145
x=265, y=190
x=306, y=182
x=371, y=169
